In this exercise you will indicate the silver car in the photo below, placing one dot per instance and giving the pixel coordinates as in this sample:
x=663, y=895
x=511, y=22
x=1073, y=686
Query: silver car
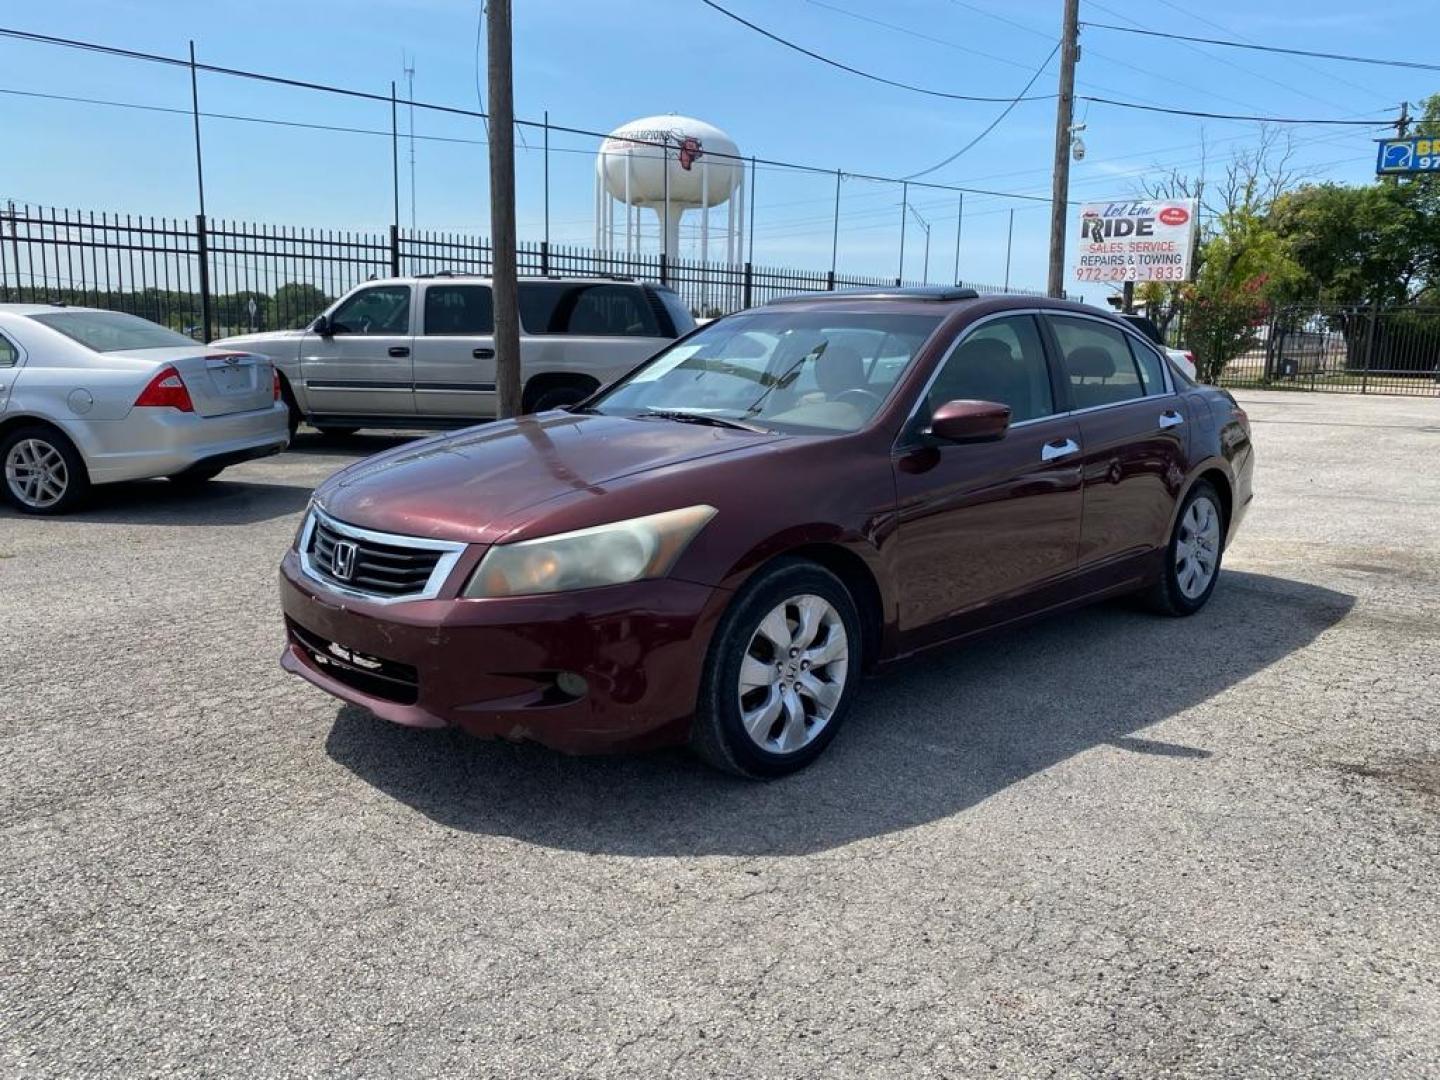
x=419, y=352
x=92, y=397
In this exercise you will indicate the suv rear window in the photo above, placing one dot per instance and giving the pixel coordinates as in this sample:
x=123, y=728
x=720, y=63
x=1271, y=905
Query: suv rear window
x=592, y=310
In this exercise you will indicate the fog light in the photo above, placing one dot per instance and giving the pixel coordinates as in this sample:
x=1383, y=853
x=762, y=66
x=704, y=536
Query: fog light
x=571, y=684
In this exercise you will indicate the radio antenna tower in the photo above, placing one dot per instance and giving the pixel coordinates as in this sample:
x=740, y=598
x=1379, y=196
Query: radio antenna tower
x=409, y=66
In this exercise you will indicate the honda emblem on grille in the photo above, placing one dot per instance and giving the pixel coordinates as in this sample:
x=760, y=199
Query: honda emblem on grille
x=342, y=560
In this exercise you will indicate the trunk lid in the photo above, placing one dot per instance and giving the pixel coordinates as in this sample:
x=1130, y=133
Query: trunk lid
x=220, y=381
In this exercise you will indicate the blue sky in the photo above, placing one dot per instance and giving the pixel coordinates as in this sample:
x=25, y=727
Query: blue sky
x=595, y=65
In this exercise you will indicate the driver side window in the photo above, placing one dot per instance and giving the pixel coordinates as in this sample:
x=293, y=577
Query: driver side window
x=384, y=309
x=1001, y=360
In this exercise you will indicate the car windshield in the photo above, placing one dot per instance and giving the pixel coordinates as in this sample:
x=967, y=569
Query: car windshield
x=112, y=331
x=816, y=372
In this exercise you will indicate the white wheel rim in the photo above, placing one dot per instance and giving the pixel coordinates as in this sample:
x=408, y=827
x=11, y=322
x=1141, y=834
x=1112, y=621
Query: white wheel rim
x=36, y=474
x=793, y=674
x=1197, y=550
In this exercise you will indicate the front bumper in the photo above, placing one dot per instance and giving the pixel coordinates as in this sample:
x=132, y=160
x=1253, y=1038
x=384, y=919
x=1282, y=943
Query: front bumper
x=490, y=667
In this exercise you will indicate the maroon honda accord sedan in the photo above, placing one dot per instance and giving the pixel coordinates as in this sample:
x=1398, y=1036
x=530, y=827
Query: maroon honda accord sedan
x=714, y=549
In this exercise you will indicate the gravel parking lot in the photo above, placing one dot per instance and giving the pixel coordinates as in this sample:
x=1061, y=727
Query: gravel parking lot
x=1108, y=845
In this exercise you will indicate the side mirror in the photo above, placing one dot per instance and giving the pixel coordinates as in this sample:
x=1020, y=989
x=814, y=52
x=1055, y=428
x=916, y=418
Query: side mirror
x=321, y=326
x=970, y=421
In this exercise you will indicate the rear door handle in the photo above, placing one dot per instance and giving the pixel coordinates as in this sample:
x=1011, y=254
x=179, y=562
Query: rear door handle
x=1170, y=418
x=483, y=354
x=399, y=350
x=1060, y=448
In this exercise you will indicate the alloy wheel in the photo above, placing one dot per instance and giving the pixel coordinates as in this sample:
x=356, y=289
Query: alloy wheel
x=793, y=674
x=1197, y=550
x=36, y=473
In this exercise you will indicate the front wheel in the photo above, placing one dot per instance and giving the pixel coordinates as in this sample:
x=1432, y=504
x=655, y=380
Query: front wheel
x=1192, y=558
x=781, y=672
x=44, y=473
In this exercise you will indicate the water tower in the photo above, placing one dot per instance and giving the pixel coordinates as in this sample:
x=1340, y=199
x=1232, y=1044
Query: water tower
x=668, y=164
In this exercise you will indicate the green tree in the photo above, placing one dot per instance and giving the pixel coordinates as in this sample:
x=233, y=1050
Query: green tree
x=296, y=303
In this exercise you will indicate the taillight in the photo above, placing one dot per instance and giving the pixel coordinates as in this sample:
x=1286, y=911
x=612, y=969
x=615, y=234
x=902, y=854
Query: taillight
x=166, y=391
x=275, y=382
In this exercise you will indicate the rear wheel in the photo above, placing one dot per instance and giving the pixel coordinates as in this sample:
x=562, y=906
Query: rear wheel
x=557, y=397
x=1192, y=558
x=781, y=672
x=43, y=472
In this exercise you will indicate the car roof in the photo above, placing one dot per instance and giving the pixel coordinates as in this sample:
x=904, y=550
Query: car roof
x=41, y=309
x=929, y=299
x=524, y=279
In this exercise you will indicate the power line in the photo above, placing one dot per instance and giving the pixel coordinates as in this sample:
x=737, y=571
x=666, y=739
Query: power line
x=1235, y=34
x=240, y=73
x=1233, y=116
x=1039, y=97
x=1211, y=57
x=993, y=123
x=1414, y=65
x=854, y=70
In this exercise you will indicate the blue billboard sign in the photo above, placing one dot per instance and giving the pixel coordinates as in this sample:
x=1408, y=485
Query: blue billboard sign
x=1398, y=156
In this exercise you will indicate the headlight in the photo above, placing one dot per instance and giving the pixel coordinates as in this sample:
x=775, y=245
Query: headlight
x=643, y=547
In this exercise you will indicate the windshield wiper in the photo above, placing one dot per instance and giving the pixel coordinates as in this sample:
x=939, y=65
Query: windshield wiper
x=711, y=419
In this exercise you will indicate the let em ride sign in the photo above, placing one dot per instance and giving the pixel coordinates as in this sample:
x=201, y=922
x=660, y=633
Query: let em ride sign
x=1136, y=240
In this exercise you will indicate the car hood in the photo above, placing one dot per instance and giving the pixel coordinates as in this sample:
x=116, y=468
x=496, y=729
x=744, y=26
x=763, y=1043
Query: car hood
x=255, y=341
x=479, y=484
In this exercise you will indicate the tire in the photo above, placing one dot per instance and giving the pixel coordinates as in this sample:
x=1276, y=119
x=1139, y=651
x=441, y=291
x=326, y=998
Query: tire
x=331, y=431
x=39, y=447
x=558, y=397
x=1184, y=588
x=196, y=477
x=751, y=643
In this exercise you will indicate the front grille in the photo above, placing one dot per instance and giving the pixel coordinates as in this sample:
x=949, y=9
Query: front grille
x=388, y=570
x=372, y=675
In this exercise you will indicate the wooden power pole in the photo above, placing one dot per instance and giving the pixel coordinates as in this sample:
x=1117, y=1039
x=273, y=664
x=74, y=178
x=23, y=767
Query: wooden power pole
x=1064, y=119
x=502, y=209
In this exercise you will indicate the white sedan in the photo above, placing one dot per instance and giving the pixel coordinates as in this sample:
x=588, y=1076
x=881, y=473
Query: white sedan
x=93, y=397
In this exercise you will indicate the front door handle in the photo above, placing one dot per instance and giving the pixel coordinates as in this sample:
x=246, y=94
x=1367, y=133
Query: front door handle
x=483, y=354
x=399, y=350
x=1053, y=451
x=1170, y=418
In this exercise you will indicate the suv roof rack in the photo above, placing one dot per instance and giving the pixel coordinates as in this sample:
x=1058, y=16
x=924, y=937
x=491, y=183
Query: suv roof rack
x=930, y=293
x=552, y=276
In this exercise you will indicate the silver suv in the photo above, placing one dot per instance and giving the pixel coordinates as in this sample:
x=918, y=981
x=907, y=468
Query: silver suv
x=420, y=351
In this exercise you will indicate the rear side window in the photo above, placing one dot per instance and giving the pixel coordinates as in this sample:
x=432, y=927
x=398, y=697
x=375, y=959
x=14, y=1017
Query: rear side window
x=383, y=309
x=9, y=355
x=1097, y=363
x=598, y=310
x=459, y=309
x=1152, y=371
x=679, y=314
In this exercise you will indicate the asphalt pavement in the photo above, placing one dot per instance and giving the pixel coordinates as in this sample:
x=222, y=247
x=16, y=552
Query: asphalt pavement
x=1107, y=845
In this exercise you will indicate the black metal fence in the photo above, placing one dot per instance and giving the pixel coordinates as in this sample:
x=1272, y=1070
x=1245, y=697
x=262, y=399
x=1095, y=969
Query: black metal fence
x=211, y=278
x=1345, y=349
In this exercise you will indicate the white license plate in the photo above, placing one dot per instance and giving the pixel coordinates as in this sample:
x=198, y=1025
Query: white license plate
x=231, y=378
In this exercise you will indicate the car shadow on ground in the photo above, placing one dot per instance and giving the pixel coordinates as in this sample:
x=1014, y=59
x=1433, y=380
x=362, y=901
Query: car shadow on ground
x=160, y=502
x=937, y=735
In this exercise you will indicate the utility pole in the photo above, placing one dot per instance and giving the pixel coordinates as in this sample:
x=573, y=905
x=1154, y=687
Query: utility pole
x=410, y=95
x=1064, y=118
x=502, y=209
x=1402, y=126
